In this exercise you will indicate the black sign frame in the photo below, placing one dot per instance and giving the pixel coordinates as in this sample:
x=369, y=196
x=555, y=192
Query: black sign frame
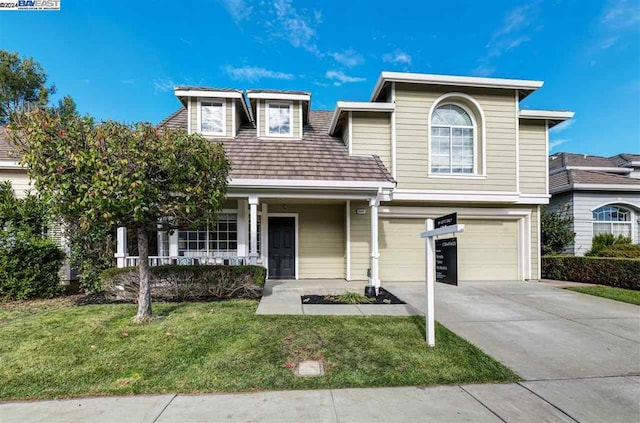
x=446, y=261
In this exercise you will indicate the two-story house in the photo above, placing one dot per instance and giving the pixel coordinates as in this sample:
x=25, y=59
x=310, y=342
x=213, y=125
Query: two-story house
x=344, y=194
x=601, y=194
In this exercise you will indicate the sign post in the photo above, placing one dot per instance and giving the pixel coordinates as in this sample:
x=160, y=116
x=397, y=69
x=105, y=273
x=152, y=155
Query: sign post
x=447, y=225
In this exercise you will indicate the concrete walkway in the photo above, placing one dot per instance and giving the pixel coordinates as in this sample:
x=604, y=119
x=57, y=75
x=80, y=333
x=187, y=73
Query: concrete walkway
x=283, y=297
x=584, y=400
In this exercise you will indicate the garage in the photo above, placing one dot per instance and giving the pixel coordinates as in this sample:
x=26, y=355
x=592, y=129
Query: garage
x=487, y=250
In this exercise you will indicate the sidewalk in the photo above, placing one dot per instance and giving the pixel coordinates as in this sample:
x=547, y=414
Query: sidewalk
x=538, y=401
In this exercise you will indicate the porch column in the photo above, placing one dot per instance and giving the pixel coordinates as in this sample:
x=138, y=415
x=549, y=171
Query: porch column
x=253, y=230
x=121, y=250
x=374, y=279
x=264, y=224
x=243, y=250
x=173, y=244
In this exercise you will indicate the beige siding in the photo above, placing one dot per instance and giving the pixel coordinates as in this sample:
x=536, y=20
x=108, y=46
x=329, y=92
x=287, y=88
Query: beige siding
x=413, y=103
x=371, y=134
x=345, y=132
x=535, y=243
x=228, y=114
x=321, y=238
x=487, y=250
x=295, y=118
x=239, y=115
x=360, y=241
x=19, y=181
x=533, y=157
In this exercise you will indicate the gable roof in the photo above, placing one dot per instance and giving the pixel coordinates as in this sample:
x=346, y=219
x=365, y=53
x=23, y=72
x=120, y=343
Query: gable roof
x=570, y=171
x=6, y=149
x=316, y=157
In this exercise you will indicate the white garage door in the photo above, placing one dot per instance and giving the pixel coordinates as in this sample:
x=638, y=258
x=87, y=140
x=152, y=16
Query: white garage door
x=487, y=250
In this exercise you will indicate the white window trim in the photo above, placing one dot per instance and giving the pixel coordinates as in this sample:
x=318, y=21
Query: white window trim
x=224, y=116
x=266, y=119
x=630, y=222
x=449, y=98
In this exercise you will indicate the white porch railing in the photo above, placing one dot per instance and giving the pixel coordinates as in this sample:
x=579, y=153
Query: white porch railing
x=130, y=261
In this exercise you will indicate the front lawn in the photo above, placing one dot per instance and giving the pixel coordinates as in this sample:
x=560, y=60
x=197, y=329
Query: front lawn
x=618, y=294
x=55, y=349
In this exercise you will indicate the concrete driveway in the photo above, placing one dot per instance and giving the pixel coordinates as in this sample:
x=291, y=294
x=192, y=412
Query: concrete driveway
x=578, y=352
x=539, y=331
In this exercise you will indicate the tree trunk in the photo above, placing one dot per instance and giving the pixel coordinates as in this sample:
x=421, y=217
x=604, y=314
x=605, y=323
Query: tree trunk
x=144, y=294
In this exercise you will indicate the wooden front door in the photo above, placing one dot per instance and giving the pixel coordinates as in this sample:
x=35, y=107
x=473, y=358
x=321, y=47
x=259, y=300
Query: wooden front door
x=282, y=248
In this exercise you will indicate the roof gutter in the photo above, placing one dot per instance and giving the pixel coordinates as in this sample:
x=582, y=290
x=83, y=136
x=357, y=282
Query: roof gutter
x=554, y=117
x=595, y=187
x=310, y=183
x=592, y=169
x=460, y=81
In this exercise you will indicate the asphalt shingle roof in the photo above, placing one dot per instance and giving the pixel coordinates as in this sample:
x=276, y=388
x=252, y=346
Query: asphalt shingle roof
x=6, y=149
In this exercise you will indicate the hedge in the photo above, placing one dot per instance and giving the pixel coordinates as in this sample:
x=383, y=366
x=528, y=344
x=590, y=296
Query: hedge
x=29, y=266
x=187, y=282
x=618, y=272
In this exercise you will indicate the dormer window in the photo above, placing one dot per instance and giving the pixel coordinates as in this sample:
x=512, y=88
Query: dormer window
x=279, y=116
x=212, y=117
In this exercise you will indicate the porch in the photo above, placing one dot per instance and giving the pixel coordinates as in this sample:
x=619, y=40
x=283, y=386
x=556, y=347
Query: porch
x=299, y=236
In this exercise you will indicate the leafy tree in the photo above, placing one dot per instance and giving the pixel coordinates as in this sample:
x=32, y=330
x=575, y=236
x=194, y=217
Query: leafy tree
x=557, y=232
x=27, y=214
x=23, y=82
x=115, y=174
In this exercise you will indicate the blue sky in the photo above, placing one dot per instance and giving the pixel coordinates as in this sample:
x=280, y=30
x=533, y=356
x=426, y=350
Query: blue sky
x=120, y=59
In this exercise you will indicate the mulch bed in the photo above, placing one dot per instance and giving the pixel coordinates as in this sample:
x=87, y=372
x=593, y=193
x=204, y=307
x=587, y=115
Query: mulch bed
x=384, y=297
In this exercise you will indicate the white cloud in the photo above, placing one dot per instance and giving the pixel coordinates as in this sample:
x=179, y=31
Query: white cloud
x=397, y=56
x=296, y=27
x=619, y=18
x=163, y=84
x=239, y=10
x=621, y=14
x=512, y=33
x=339, y=78
x=348, y=57
x=562, y=126
x=553, y=144
x=252, y=73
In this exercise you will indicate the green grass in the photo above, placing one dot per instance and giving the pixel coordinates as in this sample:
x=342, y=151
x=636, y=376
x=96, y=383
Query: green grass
x=52, y=349
x=619, y=294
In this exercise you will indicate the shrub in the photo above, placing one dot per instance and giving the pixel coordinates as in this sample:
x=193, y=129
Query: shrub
x=618, y=272
x=621, y=251
x=557, y=231
x=29, y=266
x=187, y=282
x=92, y=250
x=602, y=241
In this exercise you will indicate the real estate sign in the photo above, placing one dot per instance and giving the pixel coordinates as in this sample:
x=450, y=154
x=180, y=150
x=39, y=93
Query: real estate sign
x=447, y=220
x=447, y=261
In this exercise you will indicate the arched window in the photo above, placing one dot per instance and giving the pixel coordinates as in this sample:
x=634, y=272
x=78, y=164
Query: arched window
x=453, y=133
x=612, y=220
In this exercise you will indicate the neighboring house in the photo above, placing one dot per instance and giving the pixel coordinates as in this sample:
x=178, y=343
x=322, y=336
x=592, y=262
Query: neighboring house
x=11, y=170
x=602, y=194
x=344, y=194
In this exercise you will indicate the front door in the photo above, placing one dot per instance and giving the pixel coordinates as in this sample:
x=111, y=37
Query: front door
x=282, y=248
